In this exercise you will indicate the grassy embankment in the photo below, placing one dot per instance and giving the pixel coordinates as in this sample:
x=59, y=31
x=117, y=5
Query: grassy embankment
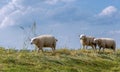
x=63, y=60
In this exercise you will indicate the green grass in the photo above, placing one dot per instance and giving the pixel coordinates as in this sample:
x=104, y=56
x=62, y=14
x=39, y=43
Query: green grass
x=63, y=60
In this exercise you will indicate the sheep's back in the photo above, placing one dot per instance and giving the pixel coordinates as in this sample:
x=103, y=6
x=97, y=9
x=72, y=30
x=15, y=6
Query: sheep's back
x=108, y=41
x=46, y=40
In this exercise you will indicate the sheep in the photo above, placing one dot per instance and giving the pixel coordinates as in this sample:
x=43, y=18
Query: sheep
x=105, y=43
x=87, y=41
x=44, y=41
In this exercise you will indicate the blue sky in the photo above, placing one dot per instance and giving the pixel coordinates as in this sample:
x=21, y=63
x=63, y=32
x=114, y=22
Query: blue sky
x=65, y=19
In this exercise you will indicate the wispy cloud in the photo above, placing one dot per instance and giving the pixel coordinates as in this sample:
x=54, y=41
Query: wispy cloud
x=7, y=22
x=52, y=2
x=108, y=11
x=5, y=14
x=15, y=12
x=108, y=16
x=20, y=11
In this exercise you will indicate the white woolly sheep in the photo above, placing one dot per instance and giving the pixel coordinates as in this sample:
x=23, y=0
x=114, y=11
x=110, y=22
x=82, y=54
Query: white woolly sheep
x=87, y=41
x=44, y=41
x=105, y=43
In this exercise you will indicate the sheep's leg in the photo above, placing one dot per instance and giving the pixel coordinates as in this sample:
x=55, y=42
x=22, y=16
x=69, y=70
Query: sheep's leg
x=113, y=48
x=38, y=50
x=83, y=47
x=99, y=49
x=103, y=49
x=86, y=47
x=53, y=49
x=104, y=46
x=93, y=47
x=41, y=49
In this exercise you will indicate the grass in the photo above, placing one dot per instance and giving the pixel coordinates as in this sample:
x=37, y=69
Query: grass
x=64, y=60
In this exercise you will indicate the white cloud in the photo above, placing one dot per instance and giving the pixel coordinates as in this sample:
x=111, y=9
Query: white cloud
x=52, y=2
x=4, y=13
x=67, y=0
x=7, y=22
x=108, y=11
x=19, y=10
x=7, y=12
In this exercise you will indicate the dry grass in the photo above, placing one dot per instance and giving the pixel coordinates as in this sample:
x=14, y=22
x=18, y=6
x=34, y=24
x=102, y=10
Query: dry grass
x=63, y=60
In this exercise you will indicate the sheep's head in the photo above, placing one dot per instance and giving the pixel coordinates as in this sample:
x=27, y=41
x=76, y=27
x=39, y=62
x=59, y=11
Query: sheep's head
x=97, y=41
x=82, y=37
x=33, y=41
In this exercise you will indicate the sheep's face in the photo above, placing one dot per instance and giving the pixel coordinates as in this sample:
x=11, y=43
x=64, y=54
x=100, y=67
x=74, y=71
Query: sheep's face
x=82, y=37
x=33, y=41
x=96, y=41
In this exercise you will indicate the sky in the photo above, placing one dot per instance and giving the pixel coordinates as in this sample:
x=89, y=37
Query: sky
x=64, y=19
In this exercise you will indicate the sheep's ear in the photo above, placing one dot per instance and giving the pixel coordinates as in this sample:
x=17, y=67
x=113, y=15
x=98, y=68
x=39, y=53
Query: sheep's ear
x=35, y=40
